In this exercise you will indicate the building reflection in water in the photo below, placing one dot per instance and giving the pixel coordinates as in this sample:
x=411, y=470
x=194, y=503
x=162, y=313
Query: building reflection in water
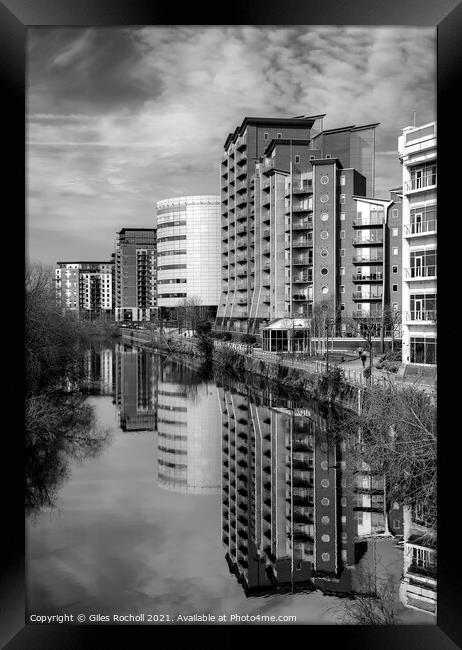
x=98, y=369
x=294, y=513
x=189, y=426
x=136, y=388
x=157, y=393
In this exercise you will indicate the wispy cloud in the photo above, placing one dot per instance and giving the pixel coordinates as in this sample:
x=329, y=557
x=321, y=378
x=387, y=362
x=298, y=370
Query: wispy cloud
x=137, y=115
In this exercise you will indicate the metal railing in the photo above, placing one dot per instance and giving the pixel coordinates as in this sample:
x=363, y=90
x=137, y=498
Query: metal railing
x=420, y=272
x=368, y=260
x=421, y=182
x=359, y=241
x=371, y=277
x=361, y=295
x=421, y=315
x=368, y=221
x=420, y=228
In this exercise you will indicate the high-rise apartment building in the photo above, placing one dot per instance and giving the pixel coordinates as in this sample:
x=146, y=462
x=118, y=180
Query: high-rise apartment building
x=417, y=151
x=188, y=253
x=286, y=186
x=85, y=288
x=135, y=274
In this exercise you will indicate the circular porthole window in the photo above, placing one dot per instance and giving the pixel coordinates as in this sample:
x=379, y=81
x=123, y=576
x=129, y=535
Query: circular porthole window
x=325, y=483
x=324, y=179
x=324, y=271
x=325, y=502
x=324, y=198
x=325, y=520
x=325, y=557
x=324, y=307
x=324, y=234
x=324, y=216
x=324, y=252
x=325, y=538
x=325, y=290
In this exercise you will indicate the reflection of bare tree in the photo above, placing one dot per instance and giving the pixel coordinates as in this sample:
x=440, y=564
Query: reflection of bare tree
x=58, y=429
x=374, y=603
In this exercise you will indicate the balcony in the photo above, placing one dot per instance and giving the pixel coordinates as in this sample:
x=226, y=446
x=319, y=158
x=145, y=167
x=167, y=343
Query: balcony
x=420, y=316
x=241, y=242
x=421, y=182
x=241, y=215
x=266, y=233
x=363, y=259
x=242, y=171
x=241, y=257
x=360, y=222
x=241, y=142
x=242, y=270
x=266, y=250
x=242, y=285
x=301, y=297
x=361, y=296
x=369, y=241
x=301, y=207
x=419, y=273
x=241, y=200
x=241, y=187
x=421, y=228
x=265, y=297
x=367, y=277
x=306, y=188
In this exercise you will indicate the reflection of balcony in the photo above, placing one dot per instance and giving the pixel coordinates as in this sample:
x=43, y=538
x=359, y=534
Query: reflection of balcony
x=359, y=295
x=367, y=277
x=416, y=273
x=375, y=314
x=421, y=228
x=301, y=260
x=300, y=297
x=302, y=278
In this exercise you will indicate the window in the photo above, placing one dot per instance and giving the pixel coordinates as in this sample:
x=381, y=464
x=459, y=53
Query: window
x=311, y=157
x=325, y=557
x=394, y=213
x=394, y=232
x=394, y=269
x=342, y=288
x=342, y=198
x=342, y=308
x=325, y=501
x=324, y=179
x=342, y=180
x=394, y=287
x=342, y=234
x=342, y=216
x=324, y=198
x=325, y=538
x=342, y=270
x=325, y=483
x=328, y=155
x=265, y=136
x=325, y=519
x=423, y=350
x=297, y=159
x=279, y=136
x=342, y=252
x=395, y=250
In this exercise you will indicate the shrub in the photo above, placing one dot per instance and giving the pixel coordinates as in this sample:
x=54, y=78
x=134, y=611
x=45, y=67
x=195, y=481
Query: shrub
x=226, y=336
x=249, y=338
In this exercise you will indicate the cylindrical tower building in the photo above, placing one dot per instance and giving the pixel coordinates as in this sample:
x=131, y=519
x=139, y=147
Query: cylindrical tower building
x=189, y=252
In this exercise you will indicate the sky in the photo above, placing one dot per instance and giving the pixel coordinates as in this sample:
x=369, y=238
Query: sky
x=119, y=118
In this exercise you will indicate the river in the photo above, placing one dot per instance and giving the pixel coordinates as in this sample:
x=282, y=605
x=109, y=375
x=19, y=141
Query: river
x=207, y=498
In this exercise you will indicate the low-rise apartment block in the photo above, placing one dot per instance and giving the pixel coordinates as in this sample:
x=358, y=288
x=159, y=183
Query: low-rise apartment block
x=85, y=289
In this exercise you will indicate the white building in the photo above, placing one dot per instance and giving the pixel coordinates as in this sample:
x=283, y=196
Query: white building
x=417, y=151
x=188, y=251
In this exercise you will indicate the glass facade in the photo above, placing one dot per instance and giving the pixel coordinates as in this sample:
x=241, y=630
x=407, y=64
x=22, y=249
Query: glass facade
x=189, y=240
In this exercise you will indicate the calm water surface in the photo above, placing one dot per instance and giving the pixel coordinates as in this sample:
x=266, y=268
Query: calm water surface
x=205, y=499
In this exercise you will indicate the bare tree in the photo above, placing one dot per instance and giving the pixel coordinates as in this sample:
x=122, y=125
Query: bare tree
x=369, y=327
x=392, y=320
x=189, y=312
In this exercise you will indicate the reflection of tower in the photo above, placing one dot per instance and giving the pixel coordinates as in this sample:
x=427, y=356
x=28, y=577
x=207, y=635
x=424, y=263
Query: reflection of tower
x=98, y=369
x=188, y=432
x=136, y=389
x=288, y=498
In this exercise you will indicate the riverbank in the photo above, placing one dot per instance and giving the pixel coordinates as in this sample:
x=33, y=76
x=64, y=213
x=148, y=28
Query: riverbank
x=312, y=380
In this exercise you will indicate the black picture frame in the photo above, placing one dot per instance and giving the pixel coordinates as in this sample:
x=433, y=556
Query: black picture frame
x=446, y=15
